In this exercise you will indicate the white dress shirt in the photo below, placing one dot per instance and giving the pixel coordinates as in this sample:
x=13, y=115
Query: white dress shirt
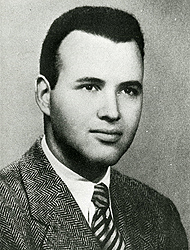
x=81, y=189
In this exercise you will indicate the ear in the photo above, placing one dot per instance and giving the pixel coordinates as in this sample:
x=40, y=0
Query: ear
x=42, y=94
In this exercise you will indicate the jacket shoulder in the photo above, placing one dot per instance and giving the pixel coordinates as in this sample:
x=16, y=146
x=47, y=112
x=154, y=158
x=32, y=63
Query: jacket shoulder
x=140, y=190
x=15, y=220
x=11, y=179
x=12, y=172
x=152, y=209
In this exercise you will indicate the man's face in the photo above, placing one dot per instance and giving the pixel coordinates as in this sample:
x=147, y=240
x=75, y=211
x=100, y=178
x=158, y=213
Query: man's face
x=96, y=104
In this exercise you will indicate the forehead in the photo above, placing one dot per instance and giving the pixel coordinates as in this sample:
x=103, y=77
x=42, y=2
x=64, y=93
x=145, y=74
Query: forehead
x=81, y=51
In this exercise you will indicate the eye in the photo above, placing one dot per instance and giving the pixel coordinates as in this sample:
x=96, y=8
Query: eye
x=131, y=91
x=91, y=87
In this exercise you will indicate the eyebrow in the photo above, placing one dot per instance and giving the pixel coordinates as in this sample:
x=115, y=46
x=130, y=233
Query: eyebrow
x=132, y=83
x=91, y=80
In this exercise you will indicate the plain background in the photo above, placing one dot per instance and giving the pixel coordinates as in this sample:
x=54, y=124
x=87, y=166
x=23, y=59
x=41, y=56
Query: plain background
x=160, y=153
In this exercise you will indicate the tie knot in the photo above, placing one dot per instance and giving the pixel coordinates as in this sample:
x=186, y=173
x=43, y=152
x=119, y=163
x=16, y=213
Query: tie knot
x=100, y=196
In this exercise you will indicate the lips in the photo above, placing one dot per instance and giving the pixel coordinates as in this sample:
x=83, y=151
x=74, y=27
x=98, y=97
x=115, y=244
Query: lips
x=107, y=135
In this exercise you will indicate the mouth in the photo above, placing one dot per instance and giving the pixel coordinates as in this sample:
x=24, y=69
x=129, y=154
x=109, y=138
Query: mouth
x=106, y=135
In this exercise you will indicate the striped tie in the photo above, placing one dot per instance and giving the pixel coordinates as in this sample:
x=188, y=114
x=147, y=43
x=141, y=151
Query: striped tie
x=102, y=223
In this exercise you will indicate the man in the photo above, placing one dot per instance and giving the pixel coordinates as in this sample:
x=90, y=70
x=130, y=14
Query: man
x=62, y=193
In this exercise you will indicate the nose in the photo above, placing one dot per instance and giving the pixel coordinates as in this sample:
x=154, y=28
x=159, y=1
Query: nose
x=109, y=110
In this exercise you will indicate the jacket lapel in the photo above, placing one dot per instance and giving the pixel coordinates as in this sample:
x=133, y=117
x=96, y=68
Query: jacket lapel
x=57, y=221
x=126, y=214
x=120, y=211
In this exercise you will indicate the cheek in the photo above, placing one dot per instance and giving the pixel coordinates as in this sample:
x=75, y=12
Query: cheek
x=131, y=113
x=71, y=112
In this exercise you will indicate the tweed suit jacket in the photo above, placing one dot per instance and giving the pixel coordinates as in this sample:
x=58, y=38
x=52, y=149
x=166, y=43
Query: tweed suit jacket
x=37, y=211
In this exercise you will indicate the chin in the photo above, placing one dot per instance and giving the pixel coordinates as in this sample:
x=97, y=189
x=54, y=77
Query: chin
x=104, y=156
x=107, y=160
x=113, y=161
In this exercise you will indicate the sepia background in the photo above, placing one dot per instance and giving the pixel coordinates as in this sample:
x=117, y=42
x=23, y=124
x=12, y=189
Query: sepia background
x=160, y=153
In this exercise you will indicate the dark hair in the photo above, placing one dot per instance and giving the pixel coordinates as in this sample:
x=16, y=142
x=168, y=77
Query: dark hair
x=117, y=25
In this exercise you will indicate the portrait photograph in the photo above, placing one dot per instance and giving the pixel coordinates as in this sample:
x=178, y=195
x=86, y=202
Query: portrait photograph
x=95, y=124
